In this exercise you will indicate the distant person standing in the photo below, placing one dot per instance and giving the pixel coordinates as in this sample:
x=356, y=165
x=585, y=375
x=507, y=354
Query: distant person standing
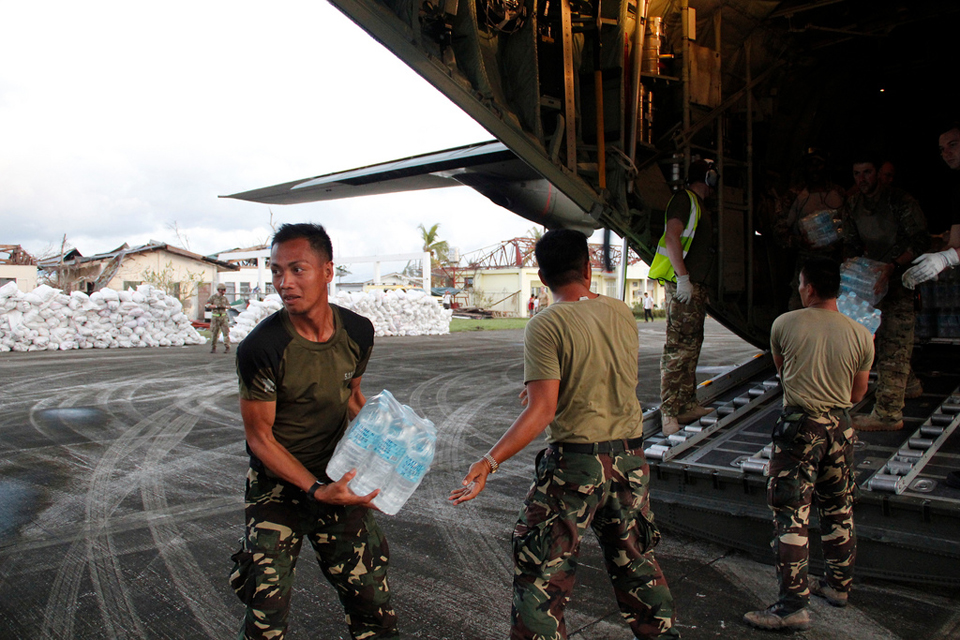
x=531, y=305
x=824, y=362
x=218, y=304
x=647, y=307
x=543, y=300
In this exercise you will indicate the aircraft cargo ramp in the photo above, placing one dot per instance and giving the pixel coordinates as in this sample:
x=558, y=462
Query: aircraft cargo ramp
x=710, y=478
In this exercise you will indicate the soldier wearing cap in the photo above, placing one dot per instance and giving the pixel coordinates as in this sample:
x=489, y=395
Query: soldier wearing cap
x=218, y=304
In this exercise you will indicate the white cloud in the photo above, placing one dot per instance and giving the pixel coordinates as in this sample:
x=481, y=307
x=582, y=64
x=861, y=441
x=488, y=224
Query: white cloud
x=118, y=119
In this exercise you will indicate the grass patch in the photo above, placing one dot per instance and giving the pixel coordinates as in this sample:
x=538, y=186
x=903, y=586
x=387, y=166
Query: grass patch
x=486, y=324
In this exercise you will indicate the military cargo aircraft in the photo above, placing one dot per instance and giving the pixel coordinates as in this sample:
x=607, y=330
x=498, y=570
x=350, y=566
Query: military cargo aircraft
x=598, y=108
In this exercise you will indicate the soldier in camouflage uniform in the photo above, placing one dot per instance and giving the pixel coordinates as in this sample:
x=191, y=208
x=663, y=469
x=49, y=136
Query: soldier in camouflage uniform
x=685, y=263
x=824, y=362
x=886, y=224
x=580, y=374
x=300, y=372
x=219, y=320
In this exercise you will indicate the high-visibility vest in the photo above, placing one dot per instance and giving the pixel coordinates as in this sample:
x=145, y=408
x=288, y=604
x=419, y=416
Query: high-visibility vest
x=662, y=268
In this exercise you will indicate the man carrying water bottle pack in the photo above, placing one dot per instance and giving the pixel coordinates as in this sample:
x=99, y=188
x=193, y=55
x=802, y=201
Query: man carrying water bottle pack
x=300, y=373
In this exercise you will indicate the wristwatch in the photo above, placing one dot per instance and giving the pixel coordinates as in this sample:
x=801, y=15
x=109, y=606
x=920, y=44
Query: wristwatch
x=313, y=490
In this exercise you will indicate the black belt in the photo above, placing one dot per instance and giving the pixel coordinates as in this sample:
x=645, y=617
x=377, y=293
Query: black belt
x=610, y=446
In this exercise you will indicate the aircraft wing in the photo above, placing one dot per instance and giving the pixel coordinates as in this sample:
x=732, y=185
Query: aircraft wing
x=427, y=171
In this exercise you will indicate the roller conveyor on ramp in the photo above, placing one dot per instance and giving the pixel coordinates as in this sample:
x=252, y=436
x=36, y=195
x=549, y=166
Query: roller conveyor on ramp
x=709, y=479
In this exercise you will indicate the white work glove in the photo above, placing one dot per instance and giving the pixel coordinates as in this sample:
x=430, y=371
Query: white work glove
x=684, y=289
x=927, y=266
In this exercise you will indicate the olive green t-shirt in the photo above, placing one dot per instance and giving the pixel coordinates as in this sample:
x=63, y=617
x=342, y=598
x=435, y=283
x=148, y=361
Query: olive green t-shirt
x=308, y=381
x=591, y=347
x=822, y=352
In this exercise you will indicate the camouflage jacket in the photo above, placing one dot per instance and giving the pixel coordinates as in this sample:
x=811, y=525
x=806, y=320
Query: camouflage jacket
x=218, y=302
x=884, y=226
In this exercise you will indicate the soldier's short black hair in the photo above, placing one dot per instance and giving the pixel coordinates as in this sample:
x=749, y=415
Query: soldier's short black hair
x=867, y=157
x=823, y=274
x=561, y=255
x=947, y=126
x=315, y=234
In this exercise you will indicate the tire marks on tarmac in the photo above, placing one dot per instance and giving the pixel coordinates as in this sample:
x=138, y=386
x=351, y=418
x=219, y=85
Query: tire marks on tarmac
x=190, y=581
x=466, y=534
x=134, y=461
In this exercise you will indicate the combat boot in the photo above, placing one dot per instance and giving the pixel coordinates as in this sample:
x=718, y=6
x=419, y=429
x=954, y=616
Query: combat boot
x=823, y=590
x=694, y=414
x=776, y=617
x=873, y=423
x=914, y=390
x=669, y=425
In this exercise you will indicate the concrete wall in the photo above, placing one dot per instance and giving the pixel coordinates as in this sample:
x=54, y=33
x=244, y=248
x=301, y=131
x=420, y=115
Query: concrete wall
x=508, y=290
x=23, y=274
x=240, y=284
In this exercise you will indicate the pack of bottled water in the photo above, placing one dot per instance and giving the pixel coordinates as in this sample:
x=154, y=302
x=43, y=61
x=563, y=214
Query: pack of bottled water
x=390, y=446
x=820, y=228
x=860, y=276
x=860, y=310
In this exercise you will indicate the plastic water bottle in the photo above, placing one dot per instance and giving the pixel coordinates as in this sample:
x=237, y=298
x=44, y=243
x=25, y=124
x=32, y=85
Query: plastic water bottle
x=410, y=470
x=820, y=228
x=873, y=321
x=850, y=305
x=363, y=435
x=386, y=455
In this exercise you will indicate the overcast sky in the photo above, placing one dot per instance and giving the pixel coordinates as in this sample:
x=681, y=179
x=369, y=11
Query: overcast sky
x=119, y=120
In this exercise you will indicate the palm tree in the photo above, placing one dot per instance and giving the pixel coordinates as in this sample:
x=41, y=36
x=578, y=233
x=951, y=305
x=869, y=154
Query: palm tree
x=439, y=249
x=341, y=271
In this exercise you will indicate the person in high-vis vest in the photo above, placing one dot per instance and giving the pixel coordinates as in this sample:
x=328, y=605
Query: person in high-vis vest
x=686, y=264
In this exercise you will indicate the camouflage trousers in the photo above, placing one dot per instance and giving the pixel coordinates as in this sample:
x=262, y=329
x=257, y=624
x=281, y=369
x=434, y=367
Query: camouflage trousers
x=815, y=464
x=894, y=349
x=349, y=546
x=573, y=492
x=218, y=325
x=681, y=351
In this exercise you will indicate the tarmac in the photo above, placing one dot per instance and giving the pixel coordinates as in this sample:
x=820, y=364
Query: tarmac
x=121, y=480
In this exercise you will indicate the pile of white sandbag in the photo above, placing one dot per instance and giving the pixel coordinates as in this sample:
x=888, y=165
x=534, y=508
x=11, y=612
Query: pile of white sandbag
x=252, y=315
x=393, y=313
x=399, y=313
x=48, y=319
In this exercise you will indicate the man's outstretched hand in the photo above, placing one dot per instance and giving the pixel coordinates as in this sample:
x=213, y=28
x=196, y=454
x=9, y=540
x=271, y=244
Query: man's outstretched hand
x=927, y=266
